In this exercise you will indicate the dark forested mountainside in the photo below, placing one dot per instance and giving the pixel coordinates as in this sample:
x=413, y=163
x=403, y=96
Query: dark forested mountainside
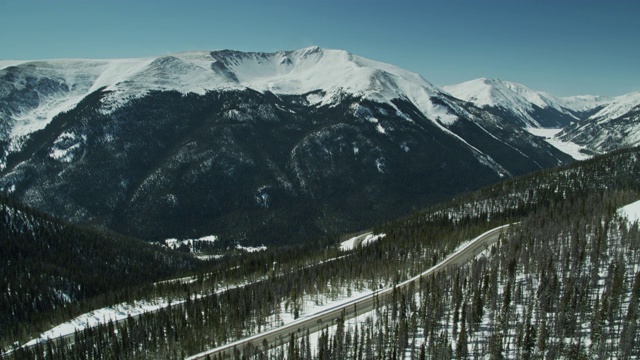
x=562, y=283
x=516, y=197
x=260, y=168
x=51, y=269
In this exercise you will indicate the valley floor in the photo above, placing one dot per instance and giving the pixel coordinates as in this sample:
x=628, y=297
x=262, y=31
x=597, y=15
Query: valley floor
x=569, y=148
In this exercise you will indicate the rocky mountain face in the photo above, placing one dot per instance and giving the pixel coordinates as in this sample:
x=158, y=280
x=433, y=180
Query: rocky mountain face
x=256, y=148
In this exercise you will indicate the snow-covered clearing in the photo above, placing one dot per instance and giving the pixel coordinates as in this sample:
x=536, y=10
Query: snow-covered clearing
x=251, y=249
x=572, y=149
x=360, y=240
x=631, y=212
x=175, y=243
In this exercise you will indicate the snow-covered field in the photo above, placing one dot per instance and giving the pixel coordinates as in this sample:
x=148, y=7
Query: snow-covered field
x=572, y=149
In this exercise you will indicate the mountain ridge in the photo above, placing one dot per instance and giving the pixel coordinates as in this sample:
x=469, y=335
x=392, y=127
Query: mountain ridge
x=285, y=72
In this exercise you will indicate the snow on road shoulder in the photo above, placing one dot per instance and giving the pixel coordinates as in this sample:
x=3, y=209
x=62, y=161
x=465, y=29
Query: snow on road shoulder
x=631, y=212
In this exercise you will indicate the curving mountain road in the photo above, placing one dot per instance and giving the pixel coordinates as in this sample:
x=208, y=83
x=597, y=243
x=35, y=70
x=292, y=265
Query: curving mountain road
x=316, y=322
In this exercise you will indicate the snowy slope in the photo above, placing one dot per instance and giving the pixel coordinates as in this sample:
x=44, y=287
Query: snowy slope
x=584, y=103
x=76, y=79
x=618, y=107
x=513, y=98
x=333, y=71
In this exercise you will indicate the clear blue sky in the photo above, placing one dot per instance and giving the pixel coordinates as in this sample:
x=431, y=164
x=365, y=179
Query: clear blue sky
x=565, y=47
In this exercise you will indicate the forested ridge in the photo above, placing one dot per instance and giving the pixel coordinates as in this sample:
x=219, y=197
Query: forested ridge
x=563, y=282
x=52, y=270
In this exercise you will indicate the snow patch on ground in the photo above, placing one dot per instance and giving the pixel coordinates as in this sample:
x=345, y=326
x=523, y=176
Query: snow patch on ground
x=313, y=305
x=208, y=257
x=380, y=165
x=66, y=147
x=175, y=243
x=251, y=249
x=631, y=212
x=569, y=148
x=360, y=240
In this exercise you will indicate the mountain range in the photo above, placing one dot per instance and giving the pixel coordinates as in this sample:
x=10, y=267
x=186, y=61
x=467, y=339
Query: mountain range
x=272, y=147
x=597, y=123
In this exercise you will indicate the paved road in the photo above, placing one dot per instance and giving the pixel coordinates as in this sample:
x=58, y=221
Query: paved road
x=318, y=321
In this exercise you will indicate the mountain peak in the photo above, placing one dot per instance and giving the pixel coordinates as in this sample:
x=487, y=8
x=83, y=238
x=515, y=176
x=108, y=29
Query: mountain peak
x=527, y=106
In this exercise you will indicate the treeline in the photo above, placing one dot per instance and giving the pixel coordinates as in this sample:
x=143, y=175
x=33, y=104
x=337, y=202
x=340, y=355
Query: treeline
x=515, y=198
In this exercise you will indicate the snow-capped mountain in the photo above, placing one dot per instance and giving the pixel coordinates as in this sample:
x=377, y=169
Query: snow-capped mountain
x=585, y=105
x=615, y=126
x=59, y=85
x=245, y=145
x=526, y=107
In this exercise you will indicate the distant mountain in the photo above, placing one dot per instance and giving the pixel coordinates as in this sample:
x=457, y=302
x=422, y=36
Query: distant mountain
x=615, y=126
x=253, y=147
x=526, y=107
x=585, y=105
